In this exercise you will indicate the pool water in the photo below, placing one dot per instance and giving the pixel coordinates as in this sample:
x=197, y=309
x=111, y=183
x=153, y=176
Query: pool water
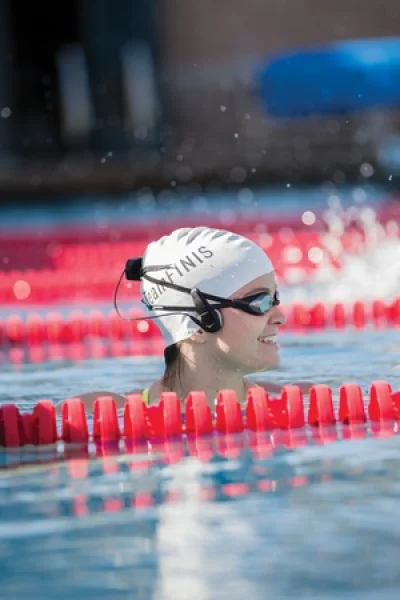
x=268, y=517
x=312, y=521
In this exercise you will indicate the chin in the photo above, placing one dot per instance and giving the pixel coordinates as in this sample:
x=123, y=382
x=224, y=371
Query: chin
x=271, y=363
x=269, y=366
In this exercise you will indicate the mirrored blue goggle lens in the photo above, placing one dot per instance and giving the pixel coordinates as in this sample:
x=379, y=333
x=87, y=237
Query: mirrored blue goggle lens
x=262, y=303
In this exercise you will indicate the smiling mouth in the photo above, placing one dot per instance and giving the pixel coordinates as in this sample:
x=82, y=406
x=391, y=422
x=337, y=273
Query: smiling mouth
x=268, y=339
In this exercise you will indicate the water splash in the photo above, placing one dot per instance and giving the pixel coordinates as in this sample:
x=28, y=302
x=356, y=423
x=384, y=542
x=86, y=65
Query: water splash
x=369, y=255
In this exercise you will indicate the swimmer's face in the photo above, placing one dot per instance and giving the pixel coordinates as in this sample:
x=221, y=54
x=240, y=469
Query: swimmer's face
x=240, y=344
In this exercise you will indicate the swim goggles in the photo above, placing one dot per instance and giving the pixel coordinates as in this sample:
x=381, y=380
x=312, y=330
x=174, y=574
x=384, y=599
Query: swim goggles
x=254, y=304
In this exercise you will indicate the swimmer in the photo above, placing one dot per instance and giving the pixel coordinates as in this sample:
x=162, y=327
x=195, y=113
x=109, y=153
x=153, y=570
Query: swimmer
x=216, y=301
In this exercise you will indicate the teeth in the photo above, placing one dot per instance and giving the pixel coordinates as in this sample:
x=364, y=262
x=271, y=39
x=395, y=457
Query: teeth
x=265, y=339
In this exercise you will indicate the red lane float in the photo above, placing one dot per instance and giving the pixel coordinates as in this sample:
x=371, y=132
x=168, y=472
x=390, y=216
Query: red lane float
x=35, y=329
x=85, y=271
x=54, y=328
x=74, y=424
x=164, y=420
x=75, y=352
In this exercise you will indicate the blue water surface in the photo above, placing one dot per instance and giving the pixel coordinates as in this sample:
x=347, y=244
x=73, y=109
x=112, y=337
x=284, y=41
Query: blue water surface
x=268, y=519
x=274, y=516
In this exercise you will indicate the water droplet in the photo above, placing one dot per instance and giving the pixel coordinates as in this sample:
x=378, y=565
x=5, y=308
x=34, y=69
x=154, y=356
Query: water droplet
x=21, y=289
x=143, y=326
x=308, y=217
x=367, y=170
x=222, y=108
x=5, y=112
x=315, y=254
x=292, y=254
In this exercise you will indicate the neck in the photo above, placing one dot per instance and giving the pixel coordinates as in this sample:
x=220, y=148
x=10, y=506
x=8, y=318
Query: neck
x=208, y=376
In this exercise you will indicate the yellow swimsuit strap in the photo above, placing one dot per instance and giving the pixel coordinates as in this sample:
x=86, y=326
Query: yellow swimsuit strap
x=146, y=396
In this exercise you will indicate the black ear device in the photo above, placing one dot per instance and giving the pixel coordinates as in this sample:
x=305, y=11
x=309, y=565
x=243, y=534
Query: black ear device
x=210, y=319
x=133, y=269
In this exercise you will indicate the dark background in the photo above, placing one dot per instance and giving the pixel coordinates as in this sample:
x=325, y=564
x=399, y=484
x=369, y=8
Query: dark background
x=194, y=116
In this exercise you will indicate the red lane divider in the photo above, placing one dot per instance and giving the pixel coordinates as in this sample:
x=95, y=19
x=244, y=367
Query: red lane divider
x=76, y=327
x=60, y=272
x=338, y=315
x=54, y=328
x=164, y=420
x=60, y=286
x=97, y=350
x=23, y=288
x=262, y=445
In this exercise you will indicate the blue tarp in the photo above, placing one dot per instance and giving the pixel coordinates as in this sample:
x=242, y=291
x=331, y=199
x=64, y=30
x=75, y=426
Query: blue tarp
x=335, y=79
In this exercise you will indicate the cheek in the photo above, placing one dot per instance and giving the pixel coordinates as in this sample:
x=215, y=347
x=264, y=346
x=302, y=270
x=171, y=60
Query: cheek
x=240, y=330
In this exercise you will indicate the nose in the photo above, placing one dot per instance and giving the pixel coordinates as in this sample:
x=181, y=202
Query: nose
x=276, y=316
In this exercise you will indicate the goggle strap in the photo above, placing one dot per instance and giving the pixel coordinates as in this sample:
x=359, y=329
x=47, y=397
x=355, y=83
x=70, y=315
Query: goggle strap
x=221, y=302
x=180, y=288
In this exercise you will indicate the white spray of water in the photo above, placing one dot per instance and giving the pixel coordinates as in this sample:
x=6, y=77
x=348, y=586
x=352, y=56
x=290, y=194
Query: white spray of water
x=370, y=269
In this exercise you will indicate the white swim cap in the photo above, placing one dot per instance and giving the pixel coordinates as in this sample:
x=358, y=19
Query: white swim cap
x=215, y=261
